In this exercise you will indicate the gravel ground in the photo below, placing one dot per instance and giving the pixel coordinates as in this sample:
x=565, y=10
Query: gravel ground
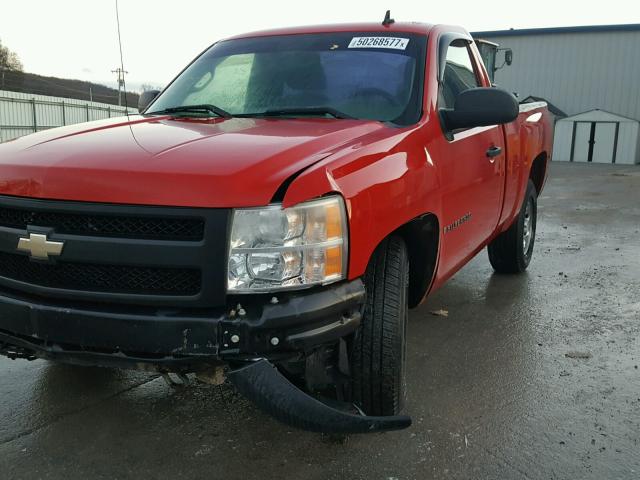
x=527, y=377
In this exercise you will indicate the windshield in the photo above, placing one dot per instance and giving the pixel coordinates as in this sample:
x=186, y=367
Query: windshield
x=363, y=75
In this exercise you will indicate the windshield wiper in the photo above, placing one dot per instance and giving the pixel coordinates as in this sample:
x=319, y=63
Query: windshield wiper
x=205, y=107
x=294, y=111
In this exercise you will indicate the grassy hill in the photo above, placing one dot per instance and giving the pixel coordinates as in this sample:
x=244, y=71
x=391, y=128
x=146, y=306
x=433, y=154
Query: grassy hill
x=62, y=87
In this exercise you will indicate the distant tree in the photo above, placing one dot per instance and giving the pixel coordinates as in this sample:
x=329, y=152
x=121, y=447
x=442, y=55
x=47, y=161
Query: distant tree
x=9, y=60
x=146, y=87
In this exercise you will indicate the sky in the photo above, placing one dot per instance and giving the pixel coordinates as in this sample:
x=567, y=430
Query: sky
x=78, y=38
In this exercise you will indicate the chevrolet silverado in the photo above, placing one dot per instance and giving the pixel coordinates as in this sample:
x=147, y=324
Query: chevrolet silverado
x=271, y=216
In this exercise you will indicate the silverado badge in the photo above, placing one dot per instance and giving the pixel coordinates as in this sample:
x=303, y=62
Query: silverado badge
x=457, y=223
x=39, y=247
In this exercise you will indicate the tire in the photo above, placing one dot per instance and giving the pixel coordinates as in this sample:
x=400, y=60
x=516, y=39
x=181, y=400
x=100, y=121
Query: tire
x=378, y=353
x=511, y=252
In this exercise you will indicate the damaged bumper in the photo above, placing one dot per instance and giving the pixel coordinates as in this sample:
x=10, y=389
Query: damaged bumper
x=164, y=340
x=249, y=337
x=263, y=384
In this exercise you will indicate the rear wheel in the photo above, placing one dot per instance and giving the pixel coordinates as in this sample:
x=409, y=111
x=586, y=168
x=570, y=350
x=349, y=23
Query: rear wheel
x=378, y=354
x=512, y=250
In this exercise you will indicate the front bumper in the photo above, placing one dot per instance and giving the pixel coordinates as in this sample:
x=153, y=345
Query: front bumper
x=276, y=327
x=241, y=335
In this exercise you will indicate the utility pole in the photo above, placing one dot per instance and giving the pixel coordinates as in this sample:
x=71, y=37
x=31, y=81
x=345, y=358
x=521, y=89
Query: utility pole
x=121, y=73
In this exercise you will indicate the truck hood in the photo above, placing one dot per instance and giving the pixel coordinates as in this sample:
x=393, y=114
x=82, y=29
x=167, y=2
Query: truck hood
x=177, y=162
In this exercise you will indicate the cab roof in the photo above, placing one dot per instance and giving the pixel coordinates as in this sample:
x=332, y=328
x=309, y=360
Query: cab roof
x=399, y=27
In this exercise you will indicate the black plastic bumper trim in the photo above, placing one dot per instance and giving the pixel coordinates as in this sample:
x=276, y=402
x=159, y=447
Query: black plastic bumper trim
x=263, y=384
x=300, y=320
x=19, y=348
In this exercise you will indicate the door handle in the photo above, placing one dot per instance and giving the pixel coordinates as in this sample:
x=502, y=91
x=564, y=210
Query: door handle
x=494, y=152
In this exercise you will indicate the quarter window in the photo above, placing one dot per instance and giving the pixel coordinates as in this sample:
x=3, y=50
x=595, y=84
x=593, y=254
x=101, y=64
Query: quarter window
x=459, y=74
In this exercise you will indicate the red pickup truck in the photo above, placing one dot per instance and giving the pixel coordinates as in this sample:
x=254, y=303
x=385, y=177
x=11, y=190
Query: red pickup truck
x=272, y=215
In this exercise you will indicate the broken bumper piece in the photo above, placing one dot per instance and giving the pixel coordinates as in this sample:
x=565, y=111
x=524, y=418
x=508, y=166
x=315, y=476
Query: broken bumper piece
x=264, y=385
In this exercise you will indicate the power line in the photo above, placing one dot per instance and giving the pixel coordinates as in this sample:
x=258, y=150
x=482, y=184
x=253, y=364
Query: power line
x=28, y=84
x=32, y=83
x=122, y=71
x=121, y=84
x=71, y=89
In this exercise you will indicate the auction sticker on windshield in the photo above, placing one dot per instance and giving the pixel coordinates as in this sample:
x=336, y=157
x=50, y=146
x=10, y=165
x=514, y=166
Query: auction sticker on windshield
x=379, y=42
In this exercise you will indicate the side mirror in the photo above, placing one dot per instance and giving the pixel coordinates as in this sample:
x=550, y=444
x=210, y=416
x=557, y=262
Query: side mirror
x=479, y=107
x=508, y=56
x=146, y=98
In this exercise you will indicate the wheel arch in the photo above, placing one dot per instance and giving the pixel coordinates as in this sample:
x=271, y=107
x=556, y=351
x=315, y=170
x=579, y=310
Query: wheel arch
x=422, y=238
x=538, y=171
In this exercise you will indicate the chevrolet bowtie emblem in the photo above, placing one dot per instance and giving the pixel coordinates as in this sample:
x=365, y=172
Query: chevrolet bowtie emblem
x=39, y=247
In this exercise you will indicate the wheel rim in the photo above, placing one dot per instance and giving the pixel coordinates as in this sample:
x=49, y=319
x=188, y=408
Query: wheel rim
x=527, y=231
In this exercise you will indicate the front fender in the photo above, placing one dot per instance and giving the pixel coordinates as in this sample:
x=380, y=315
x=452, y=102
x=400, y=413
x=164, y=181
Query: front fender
x=385, y=183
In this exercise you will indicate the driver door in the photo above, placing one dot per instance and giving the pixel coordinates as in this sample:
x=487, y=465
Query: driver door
x=471, y=168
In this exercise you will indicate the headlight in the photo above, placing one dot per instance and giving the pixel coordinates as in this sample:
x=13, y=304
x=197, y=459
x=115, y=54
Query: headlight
x=275, y=249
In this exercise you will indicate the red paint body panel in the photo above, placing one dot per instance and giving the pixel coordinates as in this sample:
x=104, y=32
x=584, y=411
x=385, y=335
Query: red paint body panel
x=161, y=161
x=388, y=176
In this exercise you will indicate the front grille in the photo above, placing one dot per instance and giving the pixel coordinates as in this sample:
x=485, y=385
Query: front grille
x=102, y=278
x=139, y=255
x=160, y=228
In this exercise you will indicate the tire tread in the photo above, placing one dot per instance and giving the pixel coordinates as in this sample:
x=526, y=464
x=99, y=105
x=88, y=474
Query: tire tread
x=377, y=384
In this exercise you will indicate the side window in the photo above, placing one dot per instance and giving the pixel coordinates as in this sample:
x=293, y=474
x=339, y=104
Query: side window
x=458, y=74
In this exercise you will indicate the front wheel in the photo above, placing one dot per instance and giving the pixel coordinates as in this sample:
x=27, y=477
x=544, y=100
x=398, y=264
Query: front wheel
x=378, y=353
x=512, y=250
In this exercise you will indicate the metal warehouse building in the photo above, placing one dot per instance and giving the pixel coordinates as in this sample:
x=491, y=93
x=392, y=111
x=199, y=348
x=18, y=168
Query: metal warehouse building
x=591, y=75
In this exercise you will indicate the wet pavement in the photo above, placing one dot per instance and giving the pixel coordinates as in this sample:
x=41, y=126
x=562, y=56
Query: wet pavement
x=528, y=377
